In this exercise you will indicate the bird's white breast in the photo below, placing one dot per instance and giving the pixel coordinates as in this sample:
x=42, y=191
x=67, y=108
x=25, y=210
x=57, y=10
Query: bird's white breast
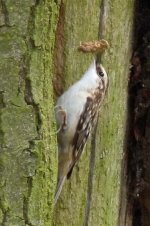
x=74, y=99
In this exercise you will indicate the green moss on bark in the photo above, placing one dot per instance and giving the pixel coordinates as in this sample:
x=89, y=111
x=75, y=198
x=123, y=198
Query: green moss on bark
x=81, y=24
x=28, y=159
x=110, y=137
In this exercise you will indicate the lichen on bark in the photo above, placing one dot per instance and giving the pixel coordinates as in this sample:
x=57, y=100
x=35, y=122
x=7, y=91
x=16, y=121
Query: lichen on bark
x=82, y=20
x=28, y=159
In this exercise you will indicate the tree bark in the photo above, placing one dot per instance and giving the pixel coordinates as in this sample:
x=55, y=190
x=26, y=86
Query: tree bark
x=28, y=160
x=28, y=83
x=136, y=198
x=92, y=196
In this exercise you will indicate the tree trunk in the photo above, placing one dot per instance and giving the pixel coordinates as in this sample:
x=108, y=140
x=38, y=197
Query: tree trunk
x=92, y=196
x=28, y=157
x=28, y=165
x=136, y=198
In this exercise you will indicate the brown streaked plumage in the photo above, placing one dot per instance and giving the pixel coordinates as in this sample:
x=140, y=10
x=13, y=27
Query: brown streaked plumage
x=79, y=110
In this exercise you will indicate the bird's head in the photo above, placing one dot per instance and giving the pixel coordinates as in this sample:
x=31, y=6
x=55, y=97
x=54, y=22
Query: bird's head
x=101, y=72
x=96, y=73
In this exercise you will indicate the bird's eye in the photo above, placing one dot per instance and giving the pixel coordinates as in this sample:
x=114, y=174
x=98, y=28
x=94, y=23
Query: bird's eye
x=101, y=74
x=99, y=71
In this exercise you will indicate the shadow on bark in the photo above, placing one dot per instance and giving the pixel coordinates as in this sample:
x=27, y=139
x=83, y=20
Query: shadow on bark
x=135, y=197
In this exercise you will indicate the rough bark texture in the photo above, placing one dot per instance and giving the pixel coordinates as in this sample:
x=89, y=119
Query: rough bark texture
x=81, y=22
x=27, y=129
x=28, y=154
x=136, y=211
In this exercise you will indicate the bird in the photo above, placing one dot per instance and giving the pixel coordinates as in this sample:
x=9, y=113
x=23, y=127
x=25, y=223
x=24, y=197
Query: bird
x=76, y=112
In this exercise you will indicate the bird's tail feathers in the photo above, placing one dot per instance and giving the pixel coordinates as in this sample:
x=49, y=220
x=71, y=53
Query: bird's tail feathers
x=59, y=188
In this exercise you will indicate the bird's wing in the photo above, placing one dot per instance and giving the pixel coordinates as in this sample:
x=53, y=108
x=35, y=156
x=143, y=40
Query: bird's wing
x=83, y=130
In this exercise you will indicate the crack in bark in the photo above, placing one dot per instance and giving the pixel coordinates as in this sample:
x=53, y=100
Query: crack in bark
x=28, y=86
x=59, y=56
x=24, y=70
x=28, y=96
x=4, y=13
x=5, y=212
x=25, y=85
x=26, y=201
x=30, y=101
x=2, y=105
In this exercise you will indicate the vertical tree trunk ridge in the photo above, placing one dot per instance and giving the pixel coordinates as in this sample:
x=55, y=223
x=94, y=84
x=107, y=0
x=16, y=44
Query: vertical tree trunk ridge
x=81, y=23
x=137, y=171
x=93, y=148
x=28, y=160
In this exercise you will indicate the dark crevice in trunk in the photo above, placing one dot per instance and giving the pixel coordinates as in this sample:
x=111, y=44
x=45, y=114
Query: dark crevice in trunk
x=30, y=101
x=59, y=55
x=2, y=105
x=4, y=14
x=5, y=212
x=25, y=88
x=137, y=154
x=26, y=202
x=24, y=84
